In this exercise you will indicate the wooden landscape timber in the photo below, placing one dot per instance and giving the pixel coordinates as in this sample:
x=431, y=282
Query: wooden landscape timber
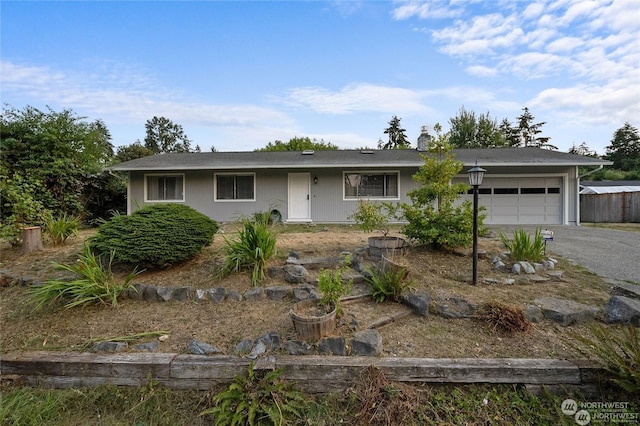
x=314, y=374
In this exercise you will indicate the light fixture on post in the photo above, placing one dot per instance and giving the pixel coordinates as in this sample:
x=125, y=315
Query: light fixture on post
x=475, y=180
x=315, y=179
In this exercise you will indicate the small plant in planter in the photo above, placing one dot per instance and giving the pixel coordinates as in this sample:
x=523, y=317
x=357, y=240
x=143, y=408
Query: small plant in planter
x=373, y=216
x=333, y=287
x=316, y=318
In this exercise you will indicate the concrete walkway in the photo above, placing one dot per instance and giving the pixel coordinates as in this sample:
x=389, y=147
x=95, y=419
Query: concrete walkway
x=606, y=252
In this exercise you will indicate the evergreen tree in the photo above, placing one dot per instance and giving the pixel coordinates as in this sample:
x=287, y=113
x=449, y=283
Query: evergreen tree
x=529, y=131
x=397, y=137
x=624, y=150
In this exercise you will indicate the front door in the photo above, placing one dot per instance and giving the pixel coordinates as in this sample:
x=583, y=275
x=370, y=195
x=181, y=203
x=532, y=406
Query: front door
x=299, y=197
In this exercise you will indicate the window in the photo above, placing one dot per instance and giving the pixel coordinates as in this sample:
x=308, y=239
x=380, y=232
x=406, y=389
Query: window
x=553, y=190
x=505, y=191
x=371, y=185
x=164, y=187
x=532, y=190
x=235, y=187
x=481, y=191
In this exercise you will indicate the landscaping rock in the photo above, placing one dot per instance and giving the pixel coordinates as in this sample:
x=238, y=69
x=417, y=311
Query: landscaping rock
x=110, y=346
x=296, y=347
x=244, y=347
x=527, y=267
x=333, y=346
x=366, y=343
x=151, y=294
x=180, y=294
x=234, y=296
x=304, y=293
x=147, y=347
x=622, y=310
x=271, y=340
x=201, y=295
x=217, y=294
x=516, y=269
x=165, y=294
x=533, y=313
x=566, y=312
x=418, y=301
x=259, y=348
x=316, y=263
x=274, y=272
x=499, y=265
x=455, y=307
x=277, y=292
x=555, y=275
x=538, y=267
x=254, y=294
x=548, y=264
x=491, y=281
x=626, y=289
x=295, y=274
x=196, y=347
x=136, y=292
x=509, y=281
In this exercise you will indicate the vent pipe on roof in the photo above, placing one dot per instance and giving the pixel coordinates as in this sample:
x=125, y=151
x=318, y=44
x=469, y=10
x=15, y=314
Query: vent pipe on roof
x=424, y=139
x=308, y=152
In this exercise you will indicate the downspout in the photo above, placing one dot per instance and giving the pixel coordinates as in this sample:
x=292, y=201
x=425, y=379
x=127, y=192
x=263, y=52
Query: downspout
x=600, y=167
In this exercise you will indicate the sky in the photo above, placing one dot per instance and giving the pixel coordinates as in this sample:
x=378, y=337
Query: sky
x=237, y=75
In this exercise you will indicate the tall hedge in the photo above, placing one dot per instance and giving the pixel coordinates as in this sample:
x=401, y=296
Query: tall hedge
x=155, y=236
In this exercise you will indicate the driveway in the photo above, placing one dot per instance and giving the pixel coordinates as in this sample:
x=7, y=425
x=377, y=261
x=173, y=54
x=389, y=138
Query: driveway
x=606, y=252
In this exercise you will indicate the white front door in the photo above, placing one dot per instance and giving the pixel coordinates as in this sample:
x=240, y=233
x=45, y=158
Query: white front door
x=299, y=197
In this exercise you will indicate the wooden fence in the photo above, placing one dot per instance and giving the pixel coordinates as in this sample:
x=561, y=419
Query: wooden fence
x=311, y=373
x=619, y=207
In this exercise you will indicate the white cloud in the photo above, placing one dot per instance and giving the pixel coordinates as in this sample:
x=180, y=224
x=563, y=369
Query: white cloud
x=433, y=10
x=481, y=71
x=361, y=97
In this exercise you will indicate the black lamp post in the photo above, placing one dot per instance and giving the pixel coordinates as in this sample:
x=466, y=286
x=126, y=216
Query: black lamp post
x=475, y=180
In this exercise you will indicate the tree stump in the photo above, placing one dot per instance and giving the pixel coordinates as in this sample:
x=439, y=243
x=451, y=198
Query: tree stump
x=31, y=239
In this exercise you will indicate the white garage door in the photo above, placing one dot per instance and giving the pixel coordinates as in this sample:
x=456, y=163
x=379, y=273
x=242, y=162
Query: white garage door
x=525, y=201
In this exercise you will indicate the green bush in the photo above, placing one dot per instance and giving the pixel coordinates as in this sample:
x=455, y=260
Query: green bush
x=522, y=247
x=256, y=400
x=93, y=283
x=255, y=245
x=387, y=283
x=61, y=228
x=155, y=236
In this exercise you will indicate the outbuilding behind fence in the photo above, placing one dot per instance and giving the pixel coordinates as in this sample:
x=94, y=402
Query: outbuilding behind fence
x=610, y=201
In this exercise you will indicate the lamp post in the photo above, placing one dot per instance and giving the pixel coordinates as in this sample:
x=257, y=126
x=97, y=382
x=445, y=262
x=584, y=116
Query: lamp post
x=475, y=180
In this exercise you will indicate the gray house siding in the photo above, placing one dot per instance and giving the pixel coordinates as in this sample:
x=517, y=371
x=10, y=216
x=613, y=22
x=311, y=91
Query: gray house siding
x=327, y=202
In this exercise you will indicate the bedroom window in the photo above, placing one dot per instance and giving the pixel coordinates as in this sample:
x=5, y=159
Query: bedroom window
x=235, y=187
x=371, y=185
x=164, y=188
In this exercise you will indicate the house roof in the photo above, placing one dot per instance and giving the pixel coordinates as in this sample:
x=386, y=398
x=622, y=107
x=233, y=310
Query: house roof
x=253, y=160
x=609, y=186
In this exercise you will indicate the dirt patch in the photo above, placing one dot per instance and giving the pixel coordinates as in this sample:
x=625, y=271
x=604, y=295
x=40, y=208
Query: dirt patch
x=225, y=324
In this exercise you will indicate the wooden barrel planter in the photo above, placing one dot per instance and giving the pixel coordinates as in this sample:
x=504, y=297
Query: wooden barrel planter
x=312, y=321
x=385, y=246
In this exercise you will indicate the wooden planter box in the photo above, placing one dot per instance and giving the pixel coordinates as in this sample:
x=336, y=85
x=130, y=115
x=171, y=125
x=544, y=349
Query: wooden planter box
x=310, y=327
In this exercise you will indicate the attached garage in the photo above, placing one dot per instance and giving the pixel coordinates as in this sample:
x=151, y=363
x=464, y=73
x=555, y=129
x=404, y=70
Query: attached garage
x=521, y=200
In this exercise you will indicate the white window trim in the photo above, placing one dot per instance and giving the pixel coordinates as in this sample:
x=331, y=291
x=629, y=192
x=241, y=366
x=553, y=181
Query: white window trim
x=146, y=198
x=370, y=172
x=243, y=200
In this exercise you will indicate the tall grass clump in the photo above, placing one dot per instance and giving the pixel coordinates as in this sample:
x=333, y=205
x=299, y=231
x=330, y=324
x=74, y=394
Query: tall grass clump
x=61, y=228
x=387, y=283
x=255, y=245
x=523, y=247
x=92, y=282
x=257, y=399
x=155, y=236
x=618, y=352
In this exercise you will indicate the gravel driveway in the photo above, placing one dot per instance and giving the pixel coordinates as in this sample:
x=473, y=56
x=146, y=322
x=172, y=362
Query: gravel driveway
x=607, y=252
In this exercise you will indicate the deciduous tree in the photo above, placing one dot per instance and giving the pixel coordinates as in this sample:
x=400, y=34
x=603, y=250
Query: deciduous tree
x=163, y=135
x=299, y=144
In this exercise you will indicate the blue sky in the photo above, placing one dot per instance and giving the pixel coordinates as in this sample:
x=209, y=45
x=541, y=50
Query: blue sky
x=237, y=75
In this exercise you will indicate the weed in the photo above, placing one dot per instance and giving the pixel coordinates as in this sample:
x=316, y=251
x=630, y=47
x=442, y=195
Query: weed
x=256, y=400
x=387, y=283
x=504, y=318
x=256, y=244
x=522, y=247
x=618, y=352
x=93, y=282
x=61, y=228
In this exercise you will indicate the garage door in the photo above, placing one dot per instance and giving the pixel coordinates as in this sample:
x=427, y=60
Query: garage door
x=526, y=201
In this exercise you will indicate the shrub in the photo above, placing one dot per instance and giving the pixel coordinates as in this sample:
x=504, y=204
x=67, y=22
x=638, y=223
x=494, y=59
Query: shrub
x=155, y=236
x=371, y=216
x=333, y=286
x=255, y=245
x=618, y=352
x=387, y=283
x=256, y=400
x=61, y=228
x=93, y=283
x=504, y=318
x=522, y=247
